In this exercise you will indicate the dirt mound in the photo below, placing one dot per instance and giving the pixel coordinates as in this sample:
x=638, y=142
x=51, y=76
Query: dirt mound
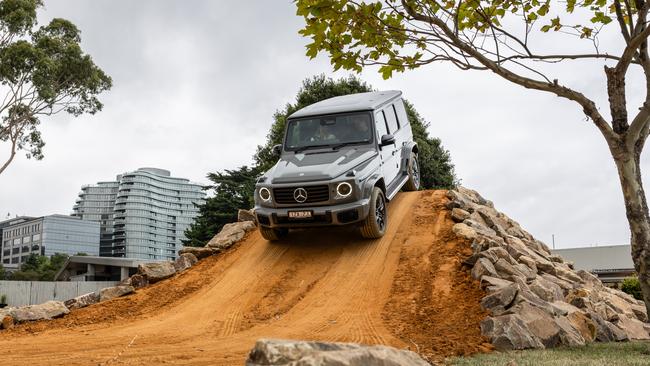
x=406, y=290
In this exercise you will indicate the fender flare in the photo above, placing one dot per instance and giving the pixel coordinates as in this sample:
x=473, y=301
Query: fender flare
x=405, y=157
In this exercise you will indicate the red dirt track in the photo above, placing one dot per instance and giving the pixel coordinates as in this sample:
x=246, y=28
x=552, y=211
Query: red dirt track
x=406, y=290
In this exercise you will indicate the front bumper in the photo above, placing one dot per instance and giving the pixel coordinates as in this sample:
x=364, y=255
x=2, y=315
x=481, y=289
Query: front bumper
x=343, y=214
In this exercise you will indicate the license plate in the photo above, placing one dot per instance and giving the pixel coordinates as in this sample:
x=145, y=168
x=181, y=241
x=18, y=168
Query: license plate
x=300, y=214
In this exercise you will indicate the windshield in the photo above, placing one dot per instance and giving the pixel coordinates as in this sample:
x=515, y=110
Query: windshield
x=328, y=131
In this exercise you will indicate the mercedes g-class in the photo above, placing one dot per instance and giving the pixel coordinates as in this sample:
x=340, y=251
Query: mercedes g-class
x=341, y=161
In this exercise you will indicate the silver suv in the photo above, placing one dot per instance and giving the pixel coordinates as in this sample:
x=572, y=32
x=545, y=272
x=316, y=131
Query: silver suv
x=342, y=160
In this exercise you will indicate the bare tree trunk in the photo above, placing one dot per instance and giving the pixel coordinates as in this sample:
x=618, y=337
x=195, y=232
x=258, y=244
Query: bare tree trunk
x=636, y=209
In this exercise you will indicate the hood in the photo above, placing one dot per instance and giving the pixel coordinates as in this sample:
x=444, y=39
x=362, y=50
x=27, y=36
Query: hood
x=314, y=165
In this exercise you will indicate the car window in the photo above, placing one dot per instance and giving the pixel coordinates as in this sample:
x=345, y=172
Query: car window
x=399, y=125
x=329, y=130
x=380, y=124
x=391, y=119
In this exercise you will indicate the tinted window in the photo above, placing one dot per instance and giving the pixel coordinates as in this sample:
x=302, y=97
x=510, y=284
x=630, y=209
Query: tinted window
x=392, y=119
x=380, y=122
x=329, y=130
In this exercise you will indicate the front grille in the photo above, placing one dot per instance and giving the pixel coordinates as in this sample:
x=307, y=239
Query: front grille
x=314, y=194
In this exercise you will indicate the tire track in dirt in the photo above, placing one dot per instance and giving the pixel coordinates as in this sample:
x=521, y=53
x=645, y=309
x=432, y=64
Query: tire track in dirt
x=404, y=289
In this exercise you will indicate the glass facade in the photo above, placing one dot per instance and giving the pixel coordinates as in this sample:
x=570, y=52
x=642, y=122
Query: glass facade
x=47, y=235
x=149, y=212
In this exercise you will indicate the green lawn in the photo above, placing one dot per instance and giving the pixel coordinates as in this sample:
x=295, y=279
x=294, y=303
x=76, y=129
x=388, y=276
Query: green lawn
x=598, y=354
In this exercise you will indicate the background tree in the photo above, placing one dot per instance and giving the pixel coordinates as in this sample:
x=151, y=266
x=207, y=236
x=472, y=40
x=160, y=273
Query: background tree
x=499, y=36
x=43, y=71
x=233, y=189
x=39, y=268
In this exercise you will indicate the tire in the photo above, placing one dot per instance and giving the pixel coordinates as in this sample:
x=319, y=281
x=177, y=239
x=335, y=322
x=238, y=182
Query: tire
x=374, y=226
x=273, y=234
x=413, y=183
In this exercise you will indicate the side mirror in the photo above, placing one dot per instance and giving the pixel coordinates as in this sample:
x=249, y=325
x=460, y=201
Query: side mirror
x=387, y=140
x=277, y=149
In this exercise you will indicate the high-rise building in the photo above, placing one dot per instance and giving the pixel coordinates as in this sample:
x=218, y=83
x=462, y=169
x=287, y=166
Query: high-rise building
x=47, y=236
x=143, y=214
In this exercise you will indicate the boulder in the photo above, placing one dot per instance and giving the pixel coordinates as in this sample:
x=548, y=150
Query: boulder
x=507, y=270
x=509, y=332
x=459, y=215
x=546, y=289
x=137, y=281
x=230, y=234
x=540, y=323
x=7, y=322
x=633, y=327
x=47, y=310
x=82, y=301
x=109, y=293
x=184, y=261
x=199, y=252
x=496, y=253
x=156, y=271
x=246, y=215
x=464, y=231
x=483, y=267
x=562, y=308
x=569, y=335
x=493, y=283
x=583, y=324
x=270, y=352
x=498, y=301
x=606, y=331
x=529, y=262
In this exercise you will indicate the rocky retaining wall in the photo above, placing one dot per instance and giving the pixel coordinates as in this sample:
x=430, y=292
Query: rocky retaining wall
x=536, y=299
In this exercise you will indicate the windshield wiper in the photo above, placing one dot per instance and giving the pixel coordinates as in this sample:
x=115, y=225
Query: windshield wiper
x=303, y=148
x=338, y=146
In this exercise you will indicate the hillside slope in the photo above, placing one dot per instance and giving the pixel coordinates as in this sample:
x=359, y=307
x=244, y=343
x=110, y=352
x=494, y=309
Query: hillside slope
x=406, y=290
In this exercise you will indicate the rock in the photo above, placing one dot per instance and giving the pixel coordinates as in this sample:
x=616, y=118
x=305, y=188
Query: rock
x=529, y=262
x=540, y=323
x=199, y=252
x=569, y=335
x=137, y=281
x=269, y=352
x=464, y=231
x=493, y=282
x=109, y=293
x=567, y=274
x=583, y=324
x=7, y=322
x=184, y=261
x=230, y=234
x=633, y=328
x=546, y=289
x=460, y=200
x=498, y=301
x=507, y=270
x=555, y=258
x=564, y=285
x=483, y=267
x=562, y=308
x=496, y=253
x=82, y=301
x=606, y=331
x=156, y=271
x=589, y=278
x=509, y=332
x=47, y=310
x=246, y=215
x=459, y=215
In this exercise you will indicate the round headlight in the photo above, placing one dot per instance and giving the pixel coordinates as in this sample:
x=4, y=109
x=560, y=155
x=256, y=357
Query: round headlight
x=344, y=189
x=265, y=194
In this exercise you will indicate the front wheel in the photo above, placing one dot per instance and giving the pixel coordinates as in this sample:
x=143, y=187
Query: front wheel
x=273, y=234
x=413, y=183
x=374, y=226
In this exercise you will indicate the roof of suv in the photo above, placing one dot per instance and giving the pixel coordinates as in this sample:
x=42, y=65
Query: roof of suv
x=348, y=103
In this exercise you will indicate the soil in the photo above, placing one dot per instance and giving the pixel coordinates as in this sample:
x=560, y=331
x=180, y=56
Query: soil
x=407, y=290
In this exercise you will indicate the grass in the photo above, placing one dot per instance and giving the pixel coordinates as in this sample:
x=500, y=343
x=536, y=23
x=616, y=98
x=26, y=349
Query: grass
x=595, y=354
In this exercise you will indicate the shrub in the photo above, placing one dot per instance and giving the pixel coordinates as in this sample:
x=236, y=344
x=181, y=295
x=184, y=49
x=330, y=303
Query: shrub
x=633, y=287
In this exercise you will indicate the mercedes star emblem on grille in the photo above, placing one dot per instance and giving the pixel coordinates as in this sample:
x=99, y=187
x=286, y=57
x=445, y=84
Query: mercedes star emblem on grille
x=300, y=195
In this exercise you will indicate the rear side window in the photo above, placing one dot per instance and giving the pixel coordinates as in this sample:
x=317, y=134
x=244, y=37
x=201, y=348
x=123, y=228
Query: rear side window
x=400, y=112
x=380, y=122
x=399, y=125
x=391, y=118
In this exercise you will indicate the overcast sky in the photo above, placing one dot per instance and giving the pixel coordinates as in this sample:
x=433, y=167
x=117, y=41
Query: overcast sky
x=196, y=84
